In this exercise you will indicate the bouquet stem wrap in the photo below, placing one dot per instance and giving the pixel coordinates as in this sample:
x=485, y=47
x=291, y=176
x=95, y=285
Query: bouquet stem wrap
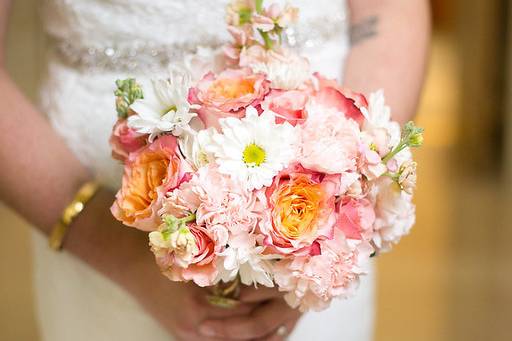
x=225, y=295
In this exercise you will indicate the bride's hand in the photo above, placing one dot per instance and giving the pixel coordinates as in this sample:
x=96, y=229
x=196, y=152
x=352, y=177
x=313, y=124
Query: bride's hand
x=272, y=319
x=180, y=307
x=122, y=254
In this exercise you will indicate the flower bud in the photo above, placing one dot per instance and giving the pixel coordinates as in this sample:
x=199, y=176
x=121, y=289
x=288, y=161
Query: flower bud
x=127, y=92
x=413, y=135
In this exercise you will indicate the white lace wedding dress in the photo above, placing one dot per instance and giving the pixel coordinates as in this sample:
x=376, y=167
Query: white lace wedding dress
x=94, y=42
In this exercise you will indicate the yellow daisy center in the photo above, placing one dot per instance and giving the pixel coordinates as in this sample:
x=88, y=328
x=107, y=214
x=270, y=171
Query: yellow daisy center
x=254, y=155
x=171, y=108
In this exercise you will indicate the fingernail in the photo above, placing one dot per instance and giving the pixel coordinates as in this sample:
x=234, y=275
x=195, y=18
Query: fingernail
x=206, y=330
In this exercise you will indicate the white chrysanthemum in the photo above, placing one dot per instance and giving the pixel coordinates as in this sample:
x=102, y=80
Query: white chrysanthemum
x=254, y=149
x=166, y=109
x=194, y=144
x=243, y=258
x=287, y=72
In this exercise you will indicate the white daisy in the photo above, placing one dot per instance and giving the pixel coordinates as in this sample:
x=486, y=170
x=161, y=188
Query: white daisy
x=166, y=110
x=254, y=149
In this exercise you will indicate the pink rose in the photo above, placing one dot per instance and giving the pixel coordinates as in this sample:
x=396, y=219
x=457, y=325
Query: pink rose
x=301, y=209
x=228, y=94
x=148, y=174
x=355, y=217
x=288, y=105
x=330, y=94
x=124, y=140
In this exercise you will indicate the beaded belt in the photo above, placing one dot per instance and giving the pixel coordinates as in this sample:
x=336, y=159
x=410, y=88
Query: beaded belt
x=140, y=55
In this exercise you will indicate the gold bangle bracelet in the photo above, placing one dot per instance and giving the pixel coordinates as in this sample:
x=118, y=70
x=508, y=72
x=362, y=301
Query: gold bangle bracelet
x=82, y=197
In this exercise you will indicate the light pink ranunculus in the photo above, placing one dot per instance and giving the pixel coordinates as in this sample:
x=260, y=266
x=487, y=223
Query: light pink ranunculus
x=288, y=105
x=355, y=217
x=301, y=210
x=312, y=281
x=228, y=94
x=124, y=140
x=329, y=141
x=149, y=173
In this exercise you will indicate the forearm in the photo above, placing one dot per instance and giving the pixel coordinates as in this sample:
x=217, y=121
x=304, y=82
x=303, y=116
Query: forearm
x=40, y=175
x=390, y=41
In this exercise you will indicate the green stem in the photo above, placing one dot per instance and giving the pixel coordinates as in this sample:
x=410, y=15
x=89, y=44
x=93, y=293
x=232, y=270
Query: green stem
x=259, y=6
x=266, y=38
x=191, y=217
x=395, y=151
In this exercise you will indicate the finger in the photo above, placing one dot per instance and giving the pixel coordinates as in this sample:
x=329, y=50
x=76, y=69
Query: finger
x=276, y=335
x=251, y=294
x=262, y=321
x=193, y=335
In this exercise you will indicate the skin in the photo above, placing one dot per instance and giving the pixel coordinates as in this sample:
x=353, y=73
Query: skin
x=35, y=159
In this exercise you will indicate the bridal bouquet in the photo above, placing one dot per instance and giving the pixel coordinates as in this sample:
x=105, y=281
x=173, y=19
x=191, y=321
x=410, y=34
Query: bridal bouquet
x=260, y=171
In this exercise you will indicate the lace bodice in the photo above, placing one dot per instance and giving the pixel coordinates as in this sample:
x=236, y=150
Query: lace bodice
x=93, y=42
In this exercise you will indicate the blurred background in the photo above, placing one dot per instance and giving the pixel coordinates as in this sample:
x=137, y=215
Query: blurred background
x=451, y=279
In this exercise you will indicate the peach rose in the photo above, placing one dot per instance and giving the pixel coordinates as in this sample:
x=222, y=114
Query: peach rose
x=228, y=94
x=124, y=140
x=149, y=174
x=301, y=206
x=288, y=105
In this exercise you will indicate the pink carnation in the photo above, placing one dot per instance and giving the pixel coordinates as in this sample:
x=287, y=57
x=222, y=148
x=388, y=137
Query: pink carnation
x=330, y=142
x=217, y=200
x=228, y=94
x=394, y=211
x=311, y=282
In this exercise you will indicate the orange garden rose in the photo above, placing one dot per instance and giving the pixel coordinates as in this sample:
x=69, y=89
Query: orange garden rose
x=149, y=174
x=301, y=206
x=228, y=94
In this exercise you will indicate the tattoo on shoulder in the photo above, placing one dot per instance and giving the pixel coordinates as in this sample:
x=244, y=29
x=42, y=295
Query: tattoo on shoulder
x=363, y=30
